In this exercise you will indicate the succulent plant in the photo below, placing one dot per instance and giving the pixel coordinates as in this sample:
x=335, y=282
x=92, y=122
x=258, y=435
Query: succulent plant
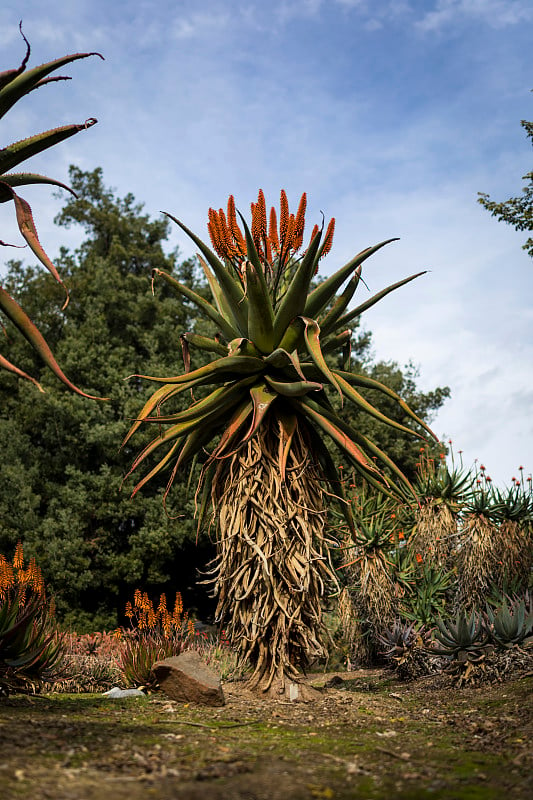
x=463, y=639
x=15, y=84
x=511, y=623
x=267, y=412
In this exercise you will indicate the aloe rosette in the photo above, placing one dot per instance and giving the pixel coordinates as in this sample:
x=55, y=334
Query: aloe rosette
x=14, y=85
x=267, y=404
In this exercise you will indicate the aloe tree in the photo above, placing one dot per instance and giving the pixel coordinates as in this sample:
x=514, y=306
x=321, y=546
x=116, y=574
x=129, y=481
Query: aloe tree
x=14, y=85
x=263, y=407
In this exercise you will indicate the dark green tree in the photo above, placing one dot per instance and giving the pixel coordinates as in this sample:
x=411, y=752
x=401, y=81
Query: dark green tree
x=517, y=211
x=61, y=474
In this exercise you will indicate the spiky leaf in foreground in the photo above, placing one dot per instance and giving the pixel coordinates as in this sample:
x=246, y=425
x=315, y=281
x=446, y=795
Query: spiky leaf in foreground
x=14, y=85
x=267, y=406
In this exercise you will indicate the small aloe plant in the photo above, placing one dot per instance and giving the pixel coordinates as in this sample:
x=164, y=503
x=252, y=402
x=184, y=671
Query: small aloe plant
x=463, y=639
x=511, y=623
x=14, y=85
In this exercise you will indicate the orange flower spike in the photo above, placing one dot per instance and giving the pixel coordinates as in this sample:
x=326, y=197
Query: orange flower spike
x=129, y=610
x=137, y=598
x=18, y=558
x=283, y=217
x=299, y=225
x=215, y=233
x=226, y=236
x=289, y=239
x=261, y=206
x=328, y=239
x=273, y=230
x=238, y=238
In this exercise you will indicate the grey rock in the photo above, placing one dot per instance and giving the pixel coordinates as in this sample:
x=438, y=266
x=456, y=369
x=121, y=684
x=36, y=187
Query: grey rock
x=187, y=679
x=116, y=693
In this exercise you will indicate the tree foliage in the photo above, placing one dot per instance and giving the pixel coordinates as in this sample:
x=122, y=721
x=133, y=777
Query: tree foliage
x=517, y=211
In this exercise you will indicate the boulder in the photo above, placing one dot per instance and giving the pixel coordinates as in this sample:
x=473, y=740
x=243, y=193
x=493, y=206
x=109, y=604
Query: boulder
x=187, y=679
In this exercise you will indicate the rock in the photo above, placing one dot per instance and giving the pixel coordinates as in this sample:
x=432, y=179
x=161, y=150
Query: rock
x=116, y=693
x=187, y=679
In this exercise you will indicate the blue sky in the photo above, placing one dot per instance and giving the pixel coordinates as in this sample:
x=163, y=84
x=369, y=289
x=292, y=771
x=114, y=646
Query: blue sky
x=390, y=114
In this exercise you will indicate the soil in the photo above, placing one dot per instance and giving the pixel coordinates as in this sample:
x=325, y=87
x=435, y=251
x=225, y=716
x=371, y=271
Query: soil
x=366, y=736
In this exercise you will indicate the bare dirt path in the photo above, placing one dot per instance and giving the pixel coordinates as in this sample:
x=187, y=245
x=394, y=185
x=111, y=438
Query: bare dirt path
x=367, y=736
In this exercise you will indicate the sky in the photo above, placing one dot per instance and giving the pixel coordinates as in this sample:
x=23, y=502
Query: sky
x=391, y=114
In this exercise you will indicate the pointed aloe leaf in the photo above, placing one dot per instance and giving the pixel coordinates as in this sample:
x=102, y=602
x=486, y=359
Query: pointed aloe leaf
x=334, y=342
x=24, y=82
x=7, y=365
x=231, y=287
x=341, y=303
x=228, y=366
x=360, y=401
x=177, y=431
x=161, y=464
x=330, y=472
x=218, y=400
x=220, y=321
x=262, y=398
x=288, y=424
x=30, y=178
x=244, y=347
x=251, y=249
x=205, y=343
x=293, y=388
x=312, y=339
x=324, y=293
x=260, y=313
x=21, y=320
x=293, y=302
x=319, y=415
x=232, y=428
x=281, y=359
x=29, y=232
x=158, y=397
x=216, y=292
x=20, y=151
x=351, y=315
x=370, y=383
x=384, y=458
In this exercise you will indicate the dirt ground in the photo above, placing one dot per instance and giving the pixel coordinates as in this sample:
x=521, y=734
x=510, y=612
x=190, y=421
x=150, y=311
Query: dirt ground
x=367, y=736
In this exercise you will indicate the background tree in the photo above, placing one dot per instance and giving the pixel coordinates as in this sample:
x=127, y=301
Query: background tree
x=517, y=211
x=62, y=469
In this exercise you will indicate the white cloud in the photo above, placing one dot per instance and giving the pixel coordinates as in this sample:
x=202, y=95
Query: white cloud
x=495, y=13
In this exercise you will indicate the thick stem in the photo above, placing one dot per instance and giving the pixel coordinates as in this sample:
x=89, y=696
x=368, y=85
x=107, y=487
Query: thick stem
x=272, y=565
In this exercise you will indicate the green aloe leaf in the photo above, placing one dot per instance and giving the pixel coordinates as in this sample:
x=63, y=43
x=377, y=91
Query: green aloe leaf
x=341, y=303
x=205, y=343
x=293, y=302
x=23, y=82
x=21, y=320
x=346, y=319
x=20, y=151
x=232, y=288
x=293, y=388
x=323, y=294
x=216, y=400
x=312, y=339
x=228, y=367
x=331, y=428
x=15, y=179
x=5, y=364
x=229, y=331
x=360, y=401
x=260, y=313
x=29, y=232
